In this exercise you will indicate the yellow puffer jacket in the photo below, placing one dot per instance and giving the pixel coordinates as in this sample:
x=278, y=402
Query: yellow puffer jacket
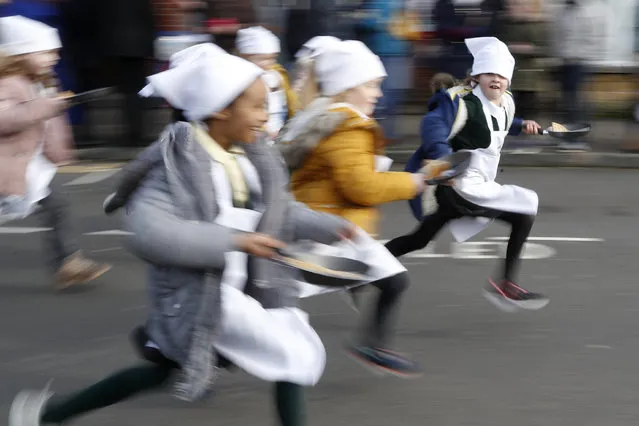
x=338, y=175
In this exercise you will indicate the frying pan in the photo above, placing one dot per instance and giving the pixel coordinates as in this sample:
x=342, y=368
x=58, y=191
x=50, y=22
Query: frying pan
x=459, y=162
x=91, y=95
x=324, y=278
x=575, y=131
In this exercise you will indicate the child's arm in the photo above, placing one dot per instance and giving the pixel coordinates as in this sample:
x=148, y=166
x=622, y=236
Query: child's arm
x=323, y=228
x=519, y=126
x=435, y=129
x=351, y=158
x=132, y=176
x=161, y=237
x=18, y=113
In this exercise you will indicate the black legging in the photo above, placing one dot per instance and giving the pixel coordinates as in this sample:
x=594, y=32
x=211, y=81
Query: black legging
x=127, y=383
x=453, y=207
x=378, y=328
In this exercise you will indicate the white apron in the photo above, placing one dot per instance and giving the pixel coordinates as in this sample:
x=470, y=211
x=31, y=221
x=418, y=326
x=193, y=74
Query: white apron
x=363, y=248
x=277, y=106
x=271, y=344
x=38, y=176
x=478, y=185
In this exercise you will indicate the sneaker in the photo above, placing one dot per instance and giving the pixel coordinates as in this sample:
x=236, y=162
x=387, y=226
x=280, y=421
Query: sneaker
x=77, y=269
x=383, y=361
x=509, y=297
x=27, y=407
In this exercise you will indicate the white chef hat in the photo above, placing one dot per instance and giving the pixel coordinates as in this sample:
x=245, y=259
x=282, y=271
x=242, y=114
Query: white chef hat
x=491, y=56
x=20, y=35
x=346, y=65
x=316, y=45
x=257, y=41
x=194, y=52
x=203, y=83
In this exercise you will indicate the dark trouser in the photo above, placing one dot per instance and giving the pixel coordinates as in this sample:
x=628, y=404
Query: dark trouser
x=378, y=328
x=572, y=79
x=59, y=241
x=453, y=206
x=155, y=374
x=527, y=104
x=125, y=384
x=130, y=74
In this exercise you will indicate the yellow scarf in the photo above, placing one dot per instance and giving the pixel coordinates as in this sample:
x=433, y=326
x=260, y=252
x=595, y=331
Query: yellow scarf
x=229, y=161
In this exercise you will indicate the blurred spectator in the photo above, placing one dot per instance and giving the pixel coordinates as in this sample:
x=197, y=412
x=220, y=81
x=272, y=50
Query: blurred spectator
x=494, y=10
x=126, y=32
x=306, y=20
x=525, y=31
x=380, y=27
x=80, y=37
x=241, y=12
x=577, y=42
x=451, y=30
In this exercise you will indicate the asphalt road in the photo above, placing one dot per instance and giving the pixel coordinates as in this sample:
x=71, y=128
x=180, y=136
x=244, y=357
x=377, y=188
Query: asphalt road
x=572, y=364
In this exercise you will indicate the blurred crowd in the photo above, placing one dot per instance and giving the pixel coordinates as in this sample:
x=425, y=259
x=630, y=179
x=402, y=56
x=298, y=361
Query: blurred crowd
x=558, y=45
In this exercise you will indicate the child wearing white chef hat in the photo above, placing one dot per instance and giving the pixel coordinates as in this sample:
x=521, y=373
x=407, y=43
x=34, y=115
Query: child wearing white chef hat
x=34, y=139
x=304, y=64
x=208, y=217
x=335, y=152
x=262, y=47
x=476, y=118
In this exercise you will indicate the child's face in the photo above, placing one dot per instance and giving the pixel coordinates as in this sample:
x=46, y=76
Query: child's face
x=263, y=61
x=42, y=63
x=492, y=86
x=365, y=96
x=248, y=114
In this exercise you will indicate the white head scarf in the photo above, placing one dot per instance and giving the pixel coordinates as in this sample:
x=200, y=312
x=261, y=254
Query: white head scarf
x=346, y=65
x=193, y=53
x=257, y=41
x=202, y=81
x=491, y=56
x=20, y=35
x=316, y=45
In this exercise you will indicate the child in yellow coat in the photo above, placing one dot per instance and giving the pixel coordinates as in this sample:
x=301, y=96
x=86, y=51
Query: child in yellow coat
x=261, y=46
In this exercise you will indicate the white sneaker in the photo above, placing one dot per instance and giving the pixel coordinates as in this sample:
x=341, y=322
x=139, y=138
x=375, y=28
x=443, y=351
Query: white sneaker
x=27, y=407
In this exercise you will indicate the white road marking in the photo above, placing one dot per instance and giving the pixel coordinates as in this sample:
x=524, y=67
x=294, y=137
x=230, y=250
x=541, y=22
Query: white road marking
x=491, y=248
x=598, y=347
x=110, y=232
x=560, y=239
x=106, y=249
x=19, y=230
x=93, y=177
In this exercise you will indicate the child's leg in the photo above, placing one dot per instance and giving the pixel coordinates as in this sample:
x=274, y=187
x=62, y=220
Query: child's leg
x=373, y=347
x=290, y=404
x=521, y=226
x=504, y=293
x=59, y=242
x=418, y=239
x=66, y=259
x=119, y=386
x=379, y=327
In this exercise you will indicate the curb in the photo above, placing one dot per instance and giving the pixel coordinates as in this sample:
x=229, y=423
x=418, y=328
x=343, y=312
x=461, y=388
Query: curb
x=614, y=160
x=521, y=158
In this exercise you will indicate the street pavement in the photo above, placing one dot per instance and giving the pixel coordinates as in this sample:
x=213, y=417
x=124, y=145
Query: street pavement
x=571, y=364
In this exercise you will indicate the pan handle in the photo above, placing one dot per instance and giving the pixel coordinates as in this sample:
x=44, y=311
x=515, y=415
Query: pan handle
x=542, y=131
